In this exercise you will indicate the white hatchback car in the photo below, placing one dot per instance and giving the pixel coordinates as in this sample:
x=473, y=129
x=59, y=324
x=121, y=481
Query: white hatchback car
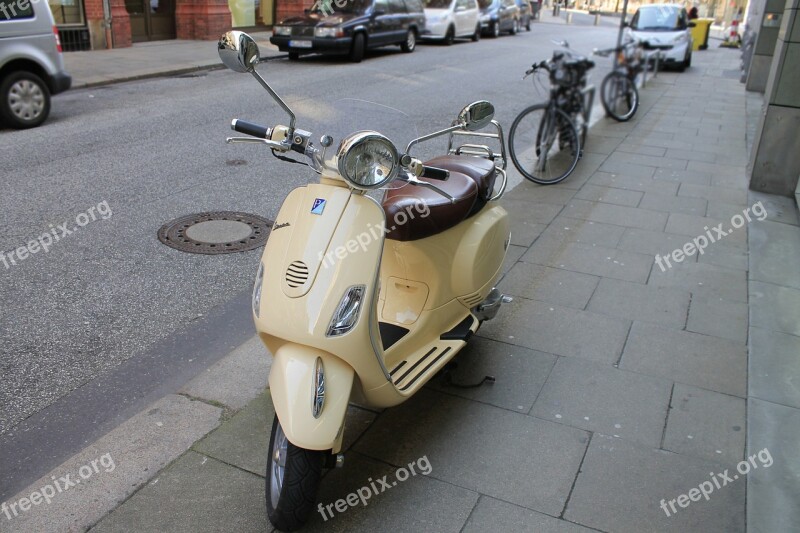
x=445, y=20
x=664, y=27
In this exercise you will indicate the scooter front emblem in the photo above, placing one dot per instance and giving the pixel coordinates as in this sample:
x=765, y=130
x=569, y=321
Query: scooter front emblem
x=319, y=206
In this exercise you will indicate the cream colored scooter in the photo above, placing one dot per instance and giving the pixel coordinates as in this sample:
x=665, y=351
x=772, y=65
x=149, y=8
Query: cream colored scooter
x=365, y=301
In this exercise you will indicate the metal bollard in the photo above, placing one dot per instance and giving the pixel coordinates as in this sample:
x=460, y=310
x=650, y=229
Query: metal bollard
x=569, y=17
x=597, y=19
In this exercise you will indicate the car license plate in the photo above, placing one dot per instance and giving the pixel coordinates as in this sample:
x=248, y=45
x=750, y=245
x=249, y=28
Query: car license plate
x=300, y=44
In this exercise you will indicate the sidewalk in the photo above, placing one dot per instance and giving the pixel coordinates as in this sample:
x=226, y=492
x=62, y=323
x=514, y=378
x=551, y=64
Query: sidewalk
x=151, y=60
x=621, y=389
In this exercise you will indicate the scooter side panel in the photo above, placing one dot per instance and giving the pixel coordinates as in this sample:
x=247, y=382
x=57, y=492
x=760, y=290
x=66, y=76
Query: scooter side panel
x=291, y=382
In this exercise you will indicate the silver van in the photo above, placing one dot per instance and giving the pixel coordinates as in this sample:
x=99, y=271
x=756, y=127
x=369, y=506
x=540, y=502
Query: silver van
x=31, y=64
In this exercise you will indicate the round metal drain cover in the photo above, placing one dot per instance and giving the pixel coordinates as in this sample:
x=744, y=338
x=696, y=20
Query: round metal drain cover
x=220, y=232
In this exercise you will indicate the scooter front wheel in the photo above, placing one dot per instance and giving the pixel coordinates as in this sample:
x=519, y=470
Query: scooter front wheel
x=293, y=476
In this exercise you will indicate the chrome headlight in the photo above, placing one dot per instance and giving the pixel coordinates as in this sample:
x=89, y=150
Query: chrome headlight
x=327, y=32
x=257, y=290
x=346, y=314
x=485, y=18
x=281, y=30
x=367, y=160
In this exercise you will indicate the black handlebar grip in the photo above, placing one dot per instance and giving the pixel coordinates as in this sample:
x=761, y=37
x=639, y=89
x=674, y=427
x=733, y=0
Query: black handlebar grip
x=434, y=173
x=248, y=128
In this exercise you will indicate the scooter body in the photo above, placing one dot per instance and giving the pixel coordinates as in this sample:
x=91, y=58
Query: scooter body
x=419, y=290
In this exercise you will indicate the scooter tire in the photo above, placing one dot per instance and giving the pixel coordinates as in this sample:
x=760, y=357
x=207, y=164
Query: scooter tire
x=301, y=477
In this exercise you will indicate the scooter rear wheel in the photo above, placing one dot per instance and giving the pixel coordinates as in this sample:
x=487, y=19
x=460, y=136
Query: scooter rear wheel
x=293, y=476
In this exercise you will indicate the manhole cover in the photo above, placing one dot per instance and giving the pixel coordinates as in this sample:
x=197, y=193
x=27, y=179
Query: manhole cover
x=221, y=232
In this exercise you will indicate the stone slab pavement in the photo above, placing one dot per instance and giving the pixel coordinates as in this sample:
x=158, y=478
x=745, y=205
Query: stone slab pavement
x=627, y=398
x=151, y=60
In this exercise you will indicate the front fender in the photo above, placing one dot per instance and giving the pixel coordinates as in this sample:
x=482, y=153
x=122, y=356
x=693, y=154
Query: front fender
x=291, y=383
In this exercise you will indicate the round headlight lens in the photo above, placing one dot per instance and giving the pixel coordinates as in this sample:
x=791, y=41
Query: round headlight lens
x=367, y=160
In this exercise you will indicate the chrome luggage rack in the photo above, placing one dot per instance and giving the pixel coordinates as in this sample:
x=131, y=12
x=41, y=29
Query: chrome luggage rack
x=482, y=150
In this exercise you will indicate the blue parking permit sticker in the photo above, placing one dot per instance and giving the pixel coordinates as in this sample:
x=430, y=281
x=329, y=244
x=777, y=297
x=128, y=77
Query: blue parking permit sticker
x=319, y=206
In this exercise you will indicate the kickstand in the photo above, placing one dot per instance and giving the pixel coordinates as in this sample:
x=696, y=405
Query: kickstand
x=447, y=379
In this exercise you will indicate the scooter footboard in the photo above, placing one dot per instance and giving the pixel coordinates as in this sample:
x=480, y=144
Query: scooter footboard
x=294, y=384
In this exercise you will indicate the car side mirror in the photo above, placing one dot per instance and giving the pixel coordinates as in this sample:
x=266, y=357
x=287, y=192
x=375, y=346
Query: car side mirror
x=238, y=51
x=626, y=25
x=692, y=24
x=476, y=115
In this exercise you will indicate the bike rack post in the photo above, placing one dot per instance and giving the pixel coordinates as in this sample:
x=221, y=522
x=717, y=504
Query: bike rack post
x=597, y=19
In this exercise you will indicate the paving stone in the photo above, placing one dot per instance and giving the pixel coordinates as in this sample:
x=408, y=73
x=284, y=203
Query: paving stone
x=634, y=183
x=419, y=503
x=596, y=260
x=602, y=144
x=630, y=217
x=568, y=229
x=774, y=307
x=725, y=256
x=734, y=181
x=695, y=226
x=540, y=194
x=195, y=493
x=520, y=374
x=775, y=249
x=673, y=204
x=715, y=169
x=243, y=441
x=235, y=380
x=778, y=208
x=692, y=156
x=646, y=160
x=708, y=362
x=528, y=220
x=706, y=424
x=773, y=432
x=774, y=367
x=558, y=330
x=628, y=169
x=609, y=195
x=704, y=281
x=512, y=256
x=651, y=242
x=724, y=211
x=621, y=486
x=604, y=399
x=635, y=301
x=719, y=318
x=494, y=515
x=641, y=149
x=719, y=194
x=552, y=285
x=530, y=450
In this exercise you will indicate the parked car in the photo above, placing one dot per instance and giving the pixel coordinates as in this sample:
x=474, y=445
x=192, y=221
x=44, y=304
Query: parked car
x=31, y=64
x=498, y=16
x=446, y=20
x=351, y=29
x=664, y=27
x=526, y=13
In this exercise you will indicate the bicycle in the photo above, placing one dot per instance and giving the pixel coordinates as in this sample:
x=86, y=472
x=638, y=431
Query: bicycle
x=563, y=118
x=618, y=92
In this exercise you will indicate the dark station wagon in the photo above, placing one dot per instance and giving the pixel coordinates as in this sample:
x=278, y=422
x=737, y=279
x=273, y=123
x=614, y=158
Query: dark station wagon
x=350, y=27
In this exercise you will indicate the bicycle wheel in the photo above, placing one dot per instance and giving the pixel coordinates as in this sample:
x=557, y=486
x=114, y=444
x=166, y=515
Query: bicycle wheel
x=619, y=96
x=544, y=144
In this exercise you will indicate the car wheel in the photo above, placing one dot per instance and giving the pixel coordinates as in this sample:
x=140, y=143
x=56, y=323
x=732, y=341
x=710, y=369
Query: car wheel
x=689, y=60
x=450, y=36
x=24, y=100
x=294, y=56
x=514, y=27
x=477, y=35
x=495, y=29
x=358, y=47
x=410, y=42
x=528, y=24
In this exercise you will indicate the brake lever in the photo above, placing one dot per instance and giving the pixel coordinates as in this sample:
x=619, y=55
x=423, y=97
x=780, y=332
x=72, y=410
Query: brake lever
x=412, y=179
x=272, y=144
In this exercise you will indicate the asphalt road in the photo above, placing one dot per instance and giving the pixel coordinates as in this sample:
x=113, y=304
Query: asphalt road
x=140, y=154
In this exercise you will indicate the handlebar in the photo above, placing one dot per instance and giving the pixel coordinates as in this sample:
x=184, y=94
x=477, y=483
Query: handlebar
x=249, y=128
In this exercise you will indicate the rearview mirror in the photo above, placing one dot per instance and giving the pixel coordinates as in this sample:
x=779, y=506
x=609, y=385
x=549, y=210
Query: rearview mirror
x=476, y=115
x=238, y=51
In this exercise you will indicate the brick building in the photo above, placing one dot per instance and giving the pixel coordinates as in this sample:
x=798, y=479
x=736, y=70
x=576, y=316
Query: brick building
x=99, y=24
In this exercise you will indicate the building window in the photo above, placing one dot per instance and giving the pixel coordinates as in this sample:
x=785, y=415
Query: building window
x=250, y=13
x=67, y=12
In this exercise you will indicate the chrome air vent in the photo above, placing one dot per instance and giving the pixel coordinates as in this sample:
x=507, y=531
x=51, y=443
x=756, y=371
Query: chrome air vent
x=296, y=274
x=471, y=300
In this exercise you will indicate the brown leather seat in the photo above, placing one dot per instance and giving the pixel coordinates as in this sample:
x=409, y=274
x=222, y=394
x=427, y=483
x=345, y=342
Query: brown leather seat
x=479, y=169
x=400, y=204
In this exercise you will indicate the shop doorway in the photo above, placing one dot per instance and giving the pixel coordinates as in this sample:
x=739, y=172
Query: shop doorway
x=151, y=20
